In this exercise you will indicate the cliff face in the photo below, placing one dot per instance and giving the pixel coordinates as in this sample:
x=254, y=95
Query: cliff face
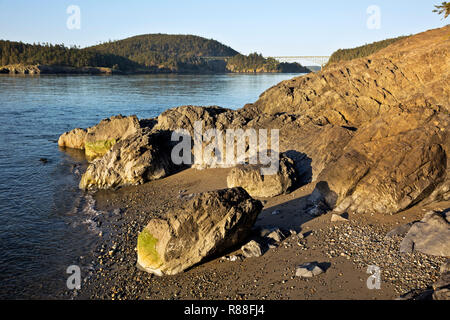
x=394, y=107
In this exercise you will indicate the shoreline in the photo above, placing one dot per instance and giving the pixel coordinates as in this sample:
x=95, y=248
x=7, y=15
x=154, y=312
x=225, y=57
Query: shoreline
x=147, y=73
x=33, y=70
x=126, y=212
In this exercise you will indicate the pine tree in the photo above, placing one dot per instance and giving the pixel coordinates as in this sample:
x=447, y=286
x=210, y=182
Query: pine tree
x=444, y=9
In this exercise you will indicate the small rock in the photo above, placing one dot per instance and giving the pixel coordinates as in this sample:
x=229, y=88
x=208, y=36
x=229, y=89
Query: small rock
x=338, y=218
x=252, y=249
x=276, y=235
x=308, y=270
x=233, y=258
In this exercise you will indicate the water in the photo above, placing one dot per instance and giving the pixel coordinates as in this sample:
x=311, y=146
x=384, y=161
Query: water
x=45, y=220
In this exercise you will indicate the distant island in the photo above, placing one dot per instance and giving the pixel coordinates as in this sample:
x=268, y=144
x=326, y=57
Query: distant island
x=152, y=53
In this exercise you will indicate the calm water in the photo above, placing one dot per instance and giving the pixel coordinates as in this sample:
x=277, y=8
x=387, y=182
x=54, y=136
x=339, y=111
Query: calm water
x=45, y=221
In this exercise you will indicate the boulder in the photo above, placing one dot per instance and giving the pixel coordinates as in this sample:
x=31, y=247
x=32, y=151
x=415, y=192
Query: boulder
x=185, y=117
x=256, y=184
x=97, y=140
x=391, y=164
x=135, y=160
x=205, y=226
x=431, y=236
x=211, y=117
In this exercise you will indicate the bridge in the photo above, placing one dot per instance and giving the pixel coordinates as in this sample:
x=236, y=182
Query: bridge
x=315, y=60
x=318, y=60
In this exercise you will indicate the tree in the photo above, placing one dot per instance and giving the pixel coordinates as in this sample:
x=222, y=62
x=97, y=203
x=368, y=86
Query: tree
x=444, y=9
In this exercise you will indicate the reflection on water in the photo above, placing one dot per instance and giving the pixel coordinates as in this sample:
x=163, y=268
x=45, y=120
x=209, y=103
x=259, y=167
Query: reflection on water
x=44, y=217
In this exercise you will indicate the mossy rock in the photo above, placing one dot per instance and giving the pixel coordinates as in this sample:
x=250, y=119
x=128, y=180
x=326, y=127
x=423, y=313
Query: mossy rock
x=98, y=148
x=146, y=247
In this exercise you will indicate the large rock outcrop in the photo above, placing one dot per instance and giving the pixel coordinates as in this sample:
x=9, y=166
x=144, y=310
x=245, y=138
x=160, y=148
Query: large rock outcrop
x=413, y=72
x=204, y=226
x=376, y=128
x=139, y=158
x=391, y=164
x=97, y=140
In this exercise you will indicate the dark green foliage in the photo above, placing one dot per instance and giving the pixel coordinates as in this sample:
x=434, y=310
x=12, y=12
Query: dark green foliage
x=255, y=62
x=48, y=54
x=167, y=51
x=147, y=53
x=444, y=9
x=363, y=51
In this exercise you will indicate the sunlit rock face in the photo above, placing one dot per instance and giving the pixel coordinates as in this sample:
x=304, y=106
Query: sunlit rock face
x=207, y=225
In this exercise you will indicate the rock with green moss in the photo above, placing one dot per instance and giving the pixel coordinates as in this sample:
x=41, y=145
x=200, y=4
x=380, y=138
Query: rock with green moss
x=140, y=158
x=98, y=148
x=146, y=245
x=206, y=226
x=99, y=139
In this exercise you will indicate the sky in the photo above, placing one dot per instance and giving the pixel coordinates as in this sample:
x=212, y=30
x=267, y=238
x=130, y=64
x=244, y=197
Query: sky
x=270, y=27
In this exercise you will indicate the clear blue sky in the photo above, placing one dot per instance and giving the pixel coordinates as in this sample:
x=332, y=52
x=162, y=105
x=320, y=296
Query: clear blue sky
x=271, y=27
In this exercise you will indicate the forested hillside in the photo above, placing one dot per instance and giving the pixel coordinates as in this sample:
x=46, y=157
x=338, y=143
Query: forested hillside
x=169, y=51
x=48, y=54
x=152, y=53
x=255, y=62
x=362, y=51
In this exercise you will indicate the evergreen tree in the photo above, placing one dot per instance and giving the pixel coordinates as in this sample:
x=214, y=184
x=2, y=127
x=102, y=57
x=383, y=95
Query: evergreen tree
x=444, y=9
